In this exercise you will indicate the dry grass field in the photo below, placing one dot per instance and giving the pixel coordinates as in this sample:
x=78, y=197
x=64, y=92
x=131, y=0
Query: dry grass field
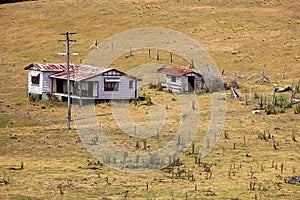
x=41, y=159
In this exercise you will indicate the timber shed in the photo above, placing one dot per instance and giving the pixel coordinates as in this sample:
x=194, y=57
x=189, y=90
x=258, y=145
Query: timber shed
x=180, y=80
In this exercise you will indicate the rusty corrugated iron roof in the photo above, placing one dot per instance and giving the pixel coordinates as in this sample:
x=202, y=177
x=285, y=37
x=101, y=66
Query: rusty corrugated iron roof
x=175, y=71
x=46, y=67
x=78, y=72
x=81, y=72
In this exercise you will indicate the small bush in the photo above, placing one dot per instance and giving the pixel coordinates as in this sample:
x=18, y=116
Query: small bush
x=149, y=100
x=159, y=88
x=256, y=96
x=289, y=105
x=152, y=86
x=261, y=136
x=297, y=109
x=34, y=97
x=271, y=109
x=297, y=89
x=281, y=101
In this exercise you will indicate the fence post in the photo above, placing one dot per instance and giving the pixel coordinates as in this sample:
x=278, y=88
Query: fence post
x=157, y=55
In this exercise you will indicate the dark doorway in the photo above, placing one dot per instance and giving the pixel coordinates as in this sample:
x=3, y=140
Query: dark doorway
x=59, y=86
x=191, y=83
x=90, y=90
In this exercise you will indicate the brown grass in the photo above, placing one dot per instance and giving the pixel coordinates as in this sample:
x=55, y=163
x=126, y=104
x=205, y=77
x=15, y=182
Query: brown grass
x=264, y=32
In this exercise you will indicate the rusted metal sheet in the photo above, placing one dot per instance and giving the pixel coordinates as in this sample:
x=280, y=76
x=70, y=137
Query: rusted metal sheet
x=175, y=71
x=78, y=72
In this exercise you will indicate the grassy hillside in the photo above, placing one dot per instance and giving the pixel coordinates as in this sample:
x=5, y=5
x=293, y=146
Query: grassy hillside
x=241, y=37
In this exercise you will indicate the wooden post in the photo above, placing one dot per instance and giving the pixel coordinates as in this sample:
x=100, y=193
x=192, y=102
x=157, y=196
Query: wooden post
x=28, y=113
x=149, y=53
x=293, y=95
x=192, y=64
x=263, y=74
x=171, y=57
x=264, y=98
x=273, y=98
x=157, y=55
x=130, y=51
x=147, y=185
x=274, y=142
x=250, y=98
x=282, y=73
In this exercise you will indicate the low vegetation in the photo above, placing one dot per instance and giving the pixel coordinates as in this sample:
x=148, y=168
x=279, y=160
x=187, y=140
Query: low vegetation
x=255, y=155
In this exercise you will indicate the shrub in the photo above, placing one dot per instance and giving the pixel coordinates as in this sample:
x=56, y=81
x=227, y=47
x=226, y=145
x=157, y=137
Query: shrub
x=256, y=96
x=149, y=100
x=159, y=88
x=281, y=101
x=296, y=88
x=297, y=109
x=289, y=105
x=152, y=86
x=271, y=109
x=34, y=97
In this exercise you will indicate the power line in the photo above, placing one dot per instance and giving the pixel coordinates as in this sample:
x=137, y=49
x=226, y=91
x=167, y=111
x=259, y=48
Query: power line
x=67, y=40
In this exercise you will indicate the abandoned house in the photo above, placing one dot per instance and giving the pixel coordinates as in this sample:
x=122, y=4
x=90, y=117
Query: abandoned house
x=86, y=82
x=180, y=80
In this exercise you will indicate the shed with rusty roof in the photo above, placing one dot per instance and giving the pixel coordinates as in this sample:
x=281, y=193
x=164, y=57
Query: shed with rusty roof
x=180, y=80
x=86, y=82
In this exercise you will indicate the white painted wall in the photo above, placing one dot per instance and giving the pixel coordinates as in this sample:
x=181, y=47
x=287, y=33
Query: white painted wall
x=124, y=91
x=34, y=88
x=45, y=85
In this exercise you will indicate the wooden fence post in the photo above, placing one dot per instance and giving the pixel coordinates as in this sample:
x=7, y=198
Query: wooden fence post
x=157, y=55
x=250, y=99
x=192, y=64
x=171, y=57
x=274, y=142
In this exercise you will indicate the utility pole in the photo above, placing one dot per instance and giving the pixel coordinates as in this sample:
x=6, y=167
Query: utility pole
x=67, y=40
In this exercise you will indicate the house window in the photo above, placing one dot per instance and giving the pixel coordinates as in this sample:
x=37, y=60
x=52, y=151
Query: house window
x=35, y=80
x=173, y=78
x=111, y=84
x=130, y=84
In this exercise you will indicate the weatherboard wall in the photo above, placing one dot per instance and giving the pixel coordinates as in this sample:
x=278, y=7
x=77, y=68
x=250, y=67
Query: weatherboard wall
x=124, y=92
x=181, y=83
x=34, y=88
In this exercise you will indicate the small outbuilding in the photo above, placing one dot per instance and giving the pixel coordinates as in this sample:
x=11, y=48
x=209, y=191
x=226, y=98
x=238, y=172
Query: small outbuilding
x=86, y=82
x=180, y=80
